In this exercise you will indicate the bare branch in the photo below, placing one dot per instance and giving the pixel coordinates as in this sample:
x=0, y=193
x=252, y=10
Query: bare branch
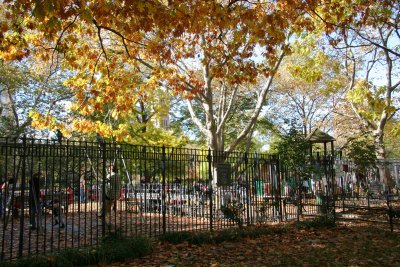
x=258, y=107
x=373, y=61
x=59, y=39
x=356, y=31
x=100, y=39
x=392, y=115
x=195, y=118
x=228, y=110
x=394, y=86
x=119, y=34
x=101, y=43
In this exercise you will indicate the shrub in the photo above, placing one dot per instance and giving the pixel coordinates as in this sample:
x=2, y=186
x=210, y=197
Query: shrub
x=233, y=211
x=180, y=237
x=318, y=222
x=39, y=261
x=230, y=235
x=120, y=248
x=113, y=247
x=227, y=235
x=176, y=237
x=80, y=257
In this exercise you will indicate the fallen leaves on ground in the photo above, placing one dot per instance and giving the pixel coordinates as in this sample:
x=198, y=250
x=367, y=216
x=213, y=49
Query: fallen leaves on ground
x=340, y=246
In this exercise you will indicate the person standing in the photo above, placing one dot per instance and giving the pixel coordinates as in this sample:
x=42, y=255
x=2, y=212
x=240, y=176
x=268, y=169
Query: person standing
x=34, y=201
x=57, y=213
x=82, y=190
x=70, y=197
x=112, y=189
x=3, y=198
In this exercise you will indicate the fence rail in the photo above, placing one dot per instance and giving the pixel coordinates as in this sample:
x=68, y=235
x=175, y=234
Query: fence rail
x=70, y=194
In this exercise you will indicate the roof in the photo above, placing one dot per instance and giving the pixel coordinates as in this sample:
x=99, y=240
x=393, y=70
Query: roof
x=318, y=136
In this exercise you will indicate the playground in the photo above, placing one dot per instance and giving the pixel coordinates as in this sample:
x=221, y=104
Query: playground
x=70, y=195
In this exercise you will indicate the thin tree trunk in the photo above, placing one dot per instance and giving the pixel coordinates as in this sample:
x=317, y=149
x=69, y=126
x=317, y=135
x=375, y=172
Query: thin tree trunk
x=384, y=173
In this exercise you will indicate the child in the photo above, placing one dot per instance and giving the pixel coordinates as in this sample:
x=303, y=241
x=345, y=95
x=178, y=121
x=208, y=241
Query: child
x=56, y=210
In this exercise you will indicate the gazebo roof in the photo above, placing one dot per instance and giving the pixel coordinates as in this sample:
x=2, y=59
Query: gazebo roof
x=318, y=136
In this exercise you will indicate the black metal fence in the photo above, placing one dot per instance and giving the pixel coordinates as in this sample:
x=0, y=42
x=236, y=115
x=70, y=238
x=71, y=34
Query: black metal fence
x=68, y=195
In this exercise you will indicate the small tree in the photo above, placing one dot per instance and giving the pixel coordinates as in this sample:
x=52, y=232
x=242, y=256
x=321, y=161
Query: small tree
x=292, y=149
x=362, y=152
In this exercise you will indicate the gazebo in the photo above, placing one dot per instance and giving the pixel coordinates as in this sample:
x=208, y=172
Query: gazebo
x=319, y=137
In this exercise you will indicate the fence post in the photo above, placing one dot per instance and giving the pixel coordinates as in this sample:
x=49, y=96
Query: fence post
x=164, y=207
x=390, y=210
x=23, y=186
x=5, y=217
x=327, y=187
x=210, y=178
x=246, y=162
x=103, y=195
x=332, y=171
x=279, y=184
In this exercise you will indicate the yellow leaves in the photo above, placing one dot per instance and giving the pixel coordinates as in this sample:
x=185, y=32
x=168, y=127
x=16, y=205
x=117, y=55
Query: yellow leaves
x=158, y=137
x=102, y=129
x=46, y=121
x=121, y=133
x=370, y=100
x=86, y=126
x=86, y=15
x=83, y=126
x=141, y=6
x=396, y=130
x=360, y=93
x=105, y=130
x=13, y=53
x=152, y=82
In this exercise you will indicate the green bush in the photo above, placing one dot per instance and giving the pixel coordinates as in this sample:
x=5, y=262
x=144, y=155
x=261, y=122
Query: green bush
x=233, y=211
x=318, y=222
x=176, y=237
x=195, y=238
x=80, y=257
x=227, y=235
x=34, y=261
x=39, y=261
x=124, y=248
x=230, y=235
x=113, y=247
x=201, y=238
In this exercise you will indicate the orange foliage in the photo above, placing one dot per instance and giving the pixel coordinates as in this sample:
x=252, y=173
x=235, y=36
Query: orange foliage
x=120, y=50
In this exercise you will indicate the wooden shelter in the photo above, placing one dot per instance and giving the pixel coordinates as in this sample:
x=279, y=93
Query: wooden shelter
x=319, y=137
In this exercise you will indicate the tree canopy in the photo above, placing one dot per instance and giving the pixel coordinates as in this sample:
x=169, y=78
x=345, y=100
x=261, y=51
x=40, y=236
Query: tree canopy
x=126, y=60
x=120, y=51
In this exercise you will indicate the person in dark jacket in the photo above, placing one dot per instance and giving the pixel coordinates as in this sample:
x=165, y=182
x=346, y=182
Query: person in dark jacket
x=57, y=213
x=34, y=200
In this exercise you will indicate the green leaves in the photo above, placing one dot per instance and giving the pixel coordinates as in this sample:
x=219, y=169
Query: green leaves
x=293, y=150
x=362, y=152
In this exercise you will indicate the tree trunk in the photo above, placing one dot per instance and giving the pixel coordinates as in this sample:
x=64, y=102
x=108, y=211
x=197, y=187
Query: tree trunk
x=384, y=173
